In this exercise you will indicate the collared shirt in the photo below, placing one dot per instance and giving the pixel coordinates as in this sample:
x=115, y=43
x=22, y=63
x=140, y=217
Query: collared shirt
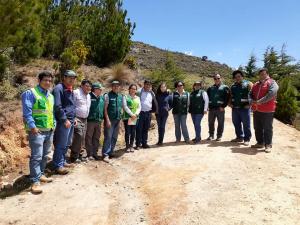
x=82, y=103
x=146, y=100
x=28, y=100
x=206, y=101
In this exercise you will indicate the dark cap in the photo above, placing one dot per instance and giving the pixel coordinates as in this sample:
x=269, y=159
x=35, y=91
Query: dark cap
x=97, y=85
x=70, y=73
x=147, y=82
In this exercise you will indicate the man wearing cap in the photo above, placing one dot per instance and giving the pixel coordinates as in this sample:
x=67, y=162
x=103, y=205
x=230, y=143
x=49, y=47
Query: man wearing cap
x=94, y=121
x=239, y=101
x=263, y=103
x=112, y=114
x=65, y=111
x=218, y=95
x=148, y=104
x=82, y=103
x=39, y=122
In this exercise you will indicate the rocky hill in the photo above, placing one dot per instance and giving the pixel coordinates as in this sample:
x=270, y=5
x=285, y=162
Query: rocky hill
x=149, y=58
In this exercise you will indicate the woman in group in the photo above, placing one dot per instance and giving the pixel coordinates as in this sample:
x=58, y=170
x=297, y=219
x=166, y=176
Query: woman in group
x=132, y=109
x=180, y=101
x=198, y=107
x=162, y=97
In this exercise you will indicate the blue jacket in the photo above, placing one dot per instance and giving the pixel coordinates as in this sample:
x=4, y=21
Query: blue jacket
x=64, y=103
x=163, y=103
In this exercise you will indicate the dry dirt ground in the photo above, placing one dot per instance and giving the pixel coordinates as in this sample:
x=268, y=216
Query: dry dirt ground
x=210, y=184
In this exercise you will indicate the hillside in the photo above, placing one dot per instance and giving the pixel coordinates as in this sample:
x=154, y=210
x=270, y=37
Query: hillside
x=150, y=57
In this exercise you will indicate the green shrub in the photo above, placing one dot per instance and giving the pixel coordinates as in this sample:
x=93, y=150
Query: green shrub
x=7, y=91
x=131, y=63
x=4, y=63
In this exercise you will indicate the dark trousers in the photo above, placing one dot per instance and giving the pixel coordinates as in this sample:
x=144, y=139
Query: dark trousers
x=143, y=128
x=214, y=114
x=92, y=138
x=241, y=122
x=161, y=123
x=130, y=131
x=263, y=126
x=78, y=138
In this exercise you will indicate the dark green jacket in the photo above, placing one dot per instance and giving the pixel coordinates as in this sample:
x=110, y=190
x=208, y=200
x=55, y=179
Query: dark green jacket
x=218, y=96
x=240, y=94
x=180, y=103
x=196, y=102
x=96, y=109
x=115, y=105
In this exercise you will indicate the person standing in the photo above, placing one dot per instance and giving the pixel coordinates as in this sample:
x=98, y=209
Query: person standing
x=198, y=107
x=162, y=98
x=218, y=95
x=112, y=114
x=148, y=105
x=38, y=115
x=132, y=109
x=94, y=121
x=239, y=101
x=82, y=103
x=65, y=110
x=180, y=101
x=263, y=103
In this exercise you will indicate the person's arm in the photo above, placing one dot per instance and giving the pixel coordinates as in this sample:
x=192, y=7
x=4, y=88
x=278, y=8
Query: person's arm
x=272, y=92
x=59, y=111
x=226, y=97
x=206, y=101
x=106, y=117
x=138, y=111
x=28, y=101
x=230, y=98
x=125, y=107
x=155, y=102
x=170, y=101
x=188, y=100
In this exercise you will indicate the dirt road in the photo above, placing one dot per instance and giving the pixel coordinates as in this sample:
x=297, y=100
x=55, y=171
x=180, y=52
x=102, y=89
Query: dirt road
x=210, y=184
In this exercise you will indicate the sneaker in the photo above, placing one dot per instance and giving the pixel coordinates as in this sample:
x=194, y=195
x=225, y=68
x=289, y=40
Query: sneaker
x=188, y=142
x=83, y=159
x=106, y=159
x=62, y=171
x=257, y=145
x=197, y=142
x=237, y=140
x=127, y=150
x=209, y=138
x=45, y=179
x=268, y=148
x=137, y=148
x=246, y=143
x=76, y=161
x=194, y=139
x=96, y=157
x=146, y=146
x=219, y=139
x=131, y=149
x=36, y=188
x=91, y=158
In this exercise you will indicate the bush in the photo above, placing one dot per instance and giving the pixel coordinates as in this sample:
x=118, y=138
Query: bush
x=7, y=91
x=4, y=63
x=131, y=63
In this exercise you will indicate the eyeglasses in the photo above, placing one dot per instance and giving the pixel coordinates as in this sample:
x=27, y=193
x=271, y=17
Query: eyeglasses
x=133, y=89
x=217, y=78
x=180, y=85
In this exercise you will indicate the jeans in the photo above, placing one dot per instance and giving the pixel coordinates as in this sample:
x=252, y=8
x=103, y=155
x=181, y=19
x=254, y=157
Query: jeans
x=130, y=131
x=241, y=122
x=62, y=141
x=110, y=138
x=78, y=138
x=263, y=126
x=142, y=128
x=214, y=114
x=40, y=145
x=92, y=138
x=197, y=125
x=180, y=127
x=161, y=123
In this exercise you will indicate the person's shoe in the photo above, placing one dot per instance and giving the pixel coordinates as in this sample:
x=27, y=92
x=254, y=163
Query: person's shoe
x=62, y=171
x=83, y=159
x=146, y=146
x=237, y=140
x=36, y=188
x=91, y=158
x=131, y=149
x=96, y=157
x=69, y=165
x=257, y=145
x=76, y=161
x=246, y=143
x=219, y=139
x=45, y=179
x=137, y=148
x=188, y=142
x=177, y=141
x=209, y=138
x=106, y=159
x=127, y=150
x=197, y=142
x=194, y=139
x=268, y=148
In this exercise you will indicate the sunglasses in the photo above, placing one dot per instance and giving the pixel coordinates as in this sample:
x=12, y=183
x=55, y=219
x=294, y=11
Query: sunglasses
x=180, y=85
x=217, y=78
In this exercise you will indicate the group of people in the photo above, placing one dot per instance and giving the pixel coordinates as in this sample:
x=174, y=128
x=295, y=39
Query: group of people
x=73, y=118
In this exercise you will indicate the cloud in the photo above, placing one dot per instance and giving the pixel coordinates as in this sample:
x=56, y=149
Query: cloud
x=188, y=52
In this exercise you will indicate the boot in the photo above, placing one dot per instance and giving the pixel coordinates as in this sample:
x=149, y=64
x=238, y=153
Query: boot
x=62, y=171
x=36, y=188
x=45, y=179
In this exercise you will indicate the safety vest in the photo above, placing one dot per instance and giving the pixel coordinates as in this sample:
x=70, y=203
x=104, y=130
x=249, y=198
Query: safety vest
x=132, y=104
x=217, y=95
x=196, y=102
x=114, y=108
x=259, y=90
x=240, y=94
x=180, y=103
x=42, y=110
x=96, y=109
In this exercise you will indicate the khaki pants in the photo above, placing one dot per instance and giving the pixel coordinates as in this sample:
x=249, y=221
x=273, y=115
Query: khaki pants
x=92, y=138
x=78, y=138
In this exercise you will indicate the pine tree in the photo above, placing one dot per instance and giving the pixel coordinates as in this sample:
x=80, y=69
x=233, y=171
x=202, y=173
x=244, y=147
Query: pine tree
x=251, y=69
x=271, y=61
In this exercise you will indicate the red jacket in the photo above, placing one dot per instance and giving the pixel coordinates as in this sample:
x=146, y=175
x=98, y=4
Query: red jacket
x=259, y=90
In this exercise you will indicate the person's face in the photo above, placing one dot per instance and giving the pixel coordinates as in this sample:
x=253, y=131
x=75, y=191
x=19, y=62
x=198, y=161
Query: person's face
x=197, y=86
x=147, y=86
x=115, y=88
x=217, y=79
x=238, y=78
x=86, y=88
x=132, y=90
x=69, y=81
x=97, y=92
x=163, y=88
x=180, y=87
x=263, y=75
x=46, y=83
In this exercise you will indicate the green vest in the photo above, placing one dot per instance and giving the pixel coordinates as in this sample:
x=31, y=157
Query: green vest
x=217, y=95
x=239, y=93
x=42, y=110
x=96, y=109
x=180, y=103
x=132, y=104
x=115, y=106
x=196, y=102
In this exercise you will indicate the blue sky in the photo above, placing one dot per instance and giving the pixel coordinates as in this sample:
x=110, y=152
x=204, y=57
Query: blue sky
x=227, y=31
